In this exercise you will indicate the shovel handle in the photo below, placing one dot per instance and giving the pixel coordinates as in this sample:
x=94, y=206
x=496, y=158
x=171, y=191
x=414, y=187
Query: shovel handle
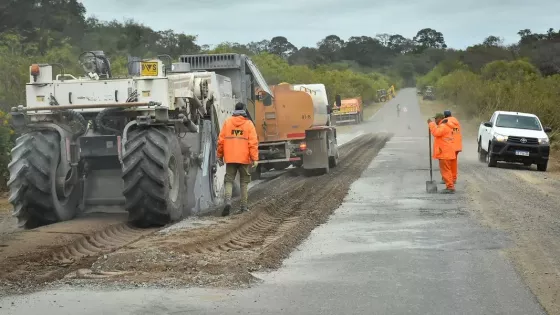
x=430, y=153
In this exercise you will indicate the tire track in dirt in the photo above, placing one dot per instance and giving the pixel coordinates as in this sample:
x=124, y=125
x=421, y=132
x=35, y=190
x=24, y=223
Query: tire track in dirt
x=280, y=208
x=225, y=254
x=282, y=214
x=101, y=242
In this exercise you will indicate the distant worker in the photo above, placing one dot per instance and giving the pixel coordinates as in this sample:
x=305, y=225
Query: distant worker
x=238, y=149
x=398, y=110
x=444, y=149
x=458, y=141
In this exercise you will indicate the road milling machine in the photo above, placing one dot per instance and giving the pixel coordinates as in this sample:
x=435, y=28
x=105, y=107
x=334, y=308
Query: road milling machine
x=145, y=143
x=295, y=129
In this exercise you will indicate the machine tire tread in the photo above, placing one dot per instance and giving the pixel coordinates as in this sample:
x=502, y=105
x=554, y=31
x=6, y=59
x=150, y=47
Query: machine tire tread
x=30, y=182
x=145, y=176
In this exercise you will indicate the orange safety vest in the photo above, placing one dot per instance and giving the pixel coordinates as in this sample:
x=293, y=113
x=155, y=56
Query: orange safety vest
x=457, y=135
x=444, y=148
x=237, y=142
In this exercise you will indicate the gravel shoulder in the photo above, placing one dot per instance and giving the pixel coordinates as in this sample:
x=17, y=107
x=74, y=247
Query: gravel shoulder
x=520, y=201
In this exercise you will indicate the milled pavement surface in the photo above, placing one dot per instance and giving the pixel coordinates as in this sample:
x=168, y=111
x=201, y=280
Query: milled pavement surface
x=389, y=249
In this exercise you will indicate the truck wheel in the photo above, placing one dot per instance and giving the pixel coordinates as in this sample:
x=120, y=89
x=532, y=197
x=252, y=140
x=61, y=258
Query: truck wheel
x=481, y=154
x=490, y=160
x=327, y=169
x=256, y=175
x=154, y=179
x=35, y=158
x=279, y=166
x=541, y=167
x=333, y=161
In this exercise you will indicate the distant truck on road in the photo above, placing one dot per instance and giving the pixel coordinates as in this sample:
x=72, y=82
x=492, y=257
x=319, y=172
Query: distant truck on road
x=350, y=111
x=515, y=138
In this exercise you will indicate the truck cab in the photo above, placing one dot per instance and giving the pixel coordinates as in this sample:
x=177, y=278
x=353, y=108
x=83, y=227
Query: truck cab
x=514, y=137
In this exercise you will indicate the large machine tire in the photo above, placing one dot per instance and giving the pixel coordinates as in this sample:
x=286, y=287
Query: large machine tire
x=154, y=179
x=35, y=158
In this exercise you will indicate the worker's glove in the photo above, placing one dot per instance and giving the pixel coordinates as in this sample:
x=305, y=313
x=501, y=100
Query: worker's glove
x=429, y=120
x=255, y=163
x=221, y=161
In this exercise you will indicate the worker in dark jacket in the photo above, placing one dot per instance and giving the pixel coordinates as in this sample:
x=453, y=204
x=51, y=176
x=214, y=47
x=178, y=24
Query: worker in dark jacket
x=238, y=149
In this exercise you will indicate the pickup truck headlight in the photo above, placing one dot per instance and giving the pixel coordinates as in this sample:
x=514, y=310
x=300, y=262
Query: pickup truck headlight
x=500, y=138
x=544, y=141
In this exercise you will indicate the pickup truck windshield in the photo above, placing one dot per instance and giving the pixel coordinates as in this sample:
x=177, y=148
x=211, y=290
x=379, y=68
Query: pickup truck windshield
x=518, y=122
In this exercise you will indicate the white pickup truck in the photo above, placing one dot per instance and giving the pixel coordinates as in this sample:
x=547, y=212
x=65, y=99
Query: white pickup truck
x=515, y=138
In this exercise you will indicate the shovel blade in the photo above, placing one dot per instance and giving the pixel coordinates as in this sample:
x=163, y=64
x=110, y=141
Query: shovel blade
x=431, y=187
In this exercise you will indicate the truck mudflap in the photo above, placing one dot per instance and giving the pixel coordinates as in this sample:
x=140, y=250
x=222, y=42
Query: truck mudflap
x=319, y=149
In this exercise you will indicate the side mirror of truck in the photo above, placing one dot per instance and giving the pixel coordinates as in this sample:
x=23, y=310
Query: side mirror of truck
x=338, y=100
x=488, y=124
x=547, y=129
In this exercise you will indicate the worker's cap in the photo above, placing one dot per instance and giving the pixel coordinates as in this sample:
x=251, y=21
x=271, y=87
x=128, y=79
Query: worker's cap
x=447, y=113
x=439, y=116
x=239, y=106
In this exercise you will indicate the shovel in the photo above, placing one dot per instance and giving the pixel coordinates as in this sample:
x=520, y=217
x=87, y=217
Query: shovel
x=431, y=185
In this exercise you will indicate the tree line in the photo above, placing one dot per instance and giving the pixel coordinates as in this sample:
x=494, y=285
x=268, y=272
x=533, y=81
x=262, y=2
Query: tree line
x=57, y=31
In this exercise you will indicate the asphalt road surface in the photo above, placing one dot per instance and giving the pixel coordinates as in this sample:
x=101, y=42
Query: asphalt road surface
x=389, y=249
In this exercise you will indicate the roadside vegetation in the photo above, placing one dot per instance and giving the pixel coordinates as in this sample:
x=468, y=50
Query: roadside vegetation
x=480, y=79
x=491, y=76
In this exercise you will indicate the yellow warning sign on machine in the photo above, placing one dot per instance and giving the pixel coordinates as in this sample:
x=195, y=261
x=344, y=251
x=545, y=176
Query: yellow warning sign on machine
x=149, y=69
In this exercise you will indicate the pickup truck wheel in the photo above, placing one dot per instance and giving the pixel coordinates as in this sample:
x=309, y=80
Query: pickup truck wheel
x=490, y=160
x=481, y=154
x=541, y=167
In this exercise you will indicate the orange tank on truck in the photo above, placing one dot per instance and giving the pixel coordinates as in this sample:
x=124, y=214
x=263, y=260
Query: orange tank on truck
x=283, y=124
x=292, y=111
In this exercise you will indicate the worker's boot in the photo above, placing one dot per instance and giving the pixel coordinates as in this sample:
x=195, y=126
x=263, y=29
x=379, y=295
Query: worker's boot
x=227, y=207
x=243, y=209
x=448, y=191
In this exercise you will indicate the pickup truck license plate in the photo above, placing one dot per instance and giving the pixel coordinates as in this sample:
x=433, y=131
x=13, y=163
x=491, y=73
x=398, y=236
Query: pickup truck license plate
x=522, y=153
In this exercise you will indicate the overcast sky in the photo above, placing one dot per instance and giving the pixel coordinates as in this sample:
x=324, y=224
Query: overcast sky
x=305, y=22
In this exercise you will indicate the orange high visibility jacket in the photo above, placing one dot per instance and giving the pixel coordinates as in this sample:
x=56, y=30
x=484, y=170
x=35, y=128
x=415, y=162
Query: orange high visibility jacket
x=444, y=148
x=238, y=141
x=457, y=136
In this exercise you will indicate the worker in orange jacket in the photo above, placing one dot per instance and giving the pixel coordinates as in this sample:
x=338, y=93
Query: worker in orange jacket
x=444, y=149
x=238, y=147
x=458, y=141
